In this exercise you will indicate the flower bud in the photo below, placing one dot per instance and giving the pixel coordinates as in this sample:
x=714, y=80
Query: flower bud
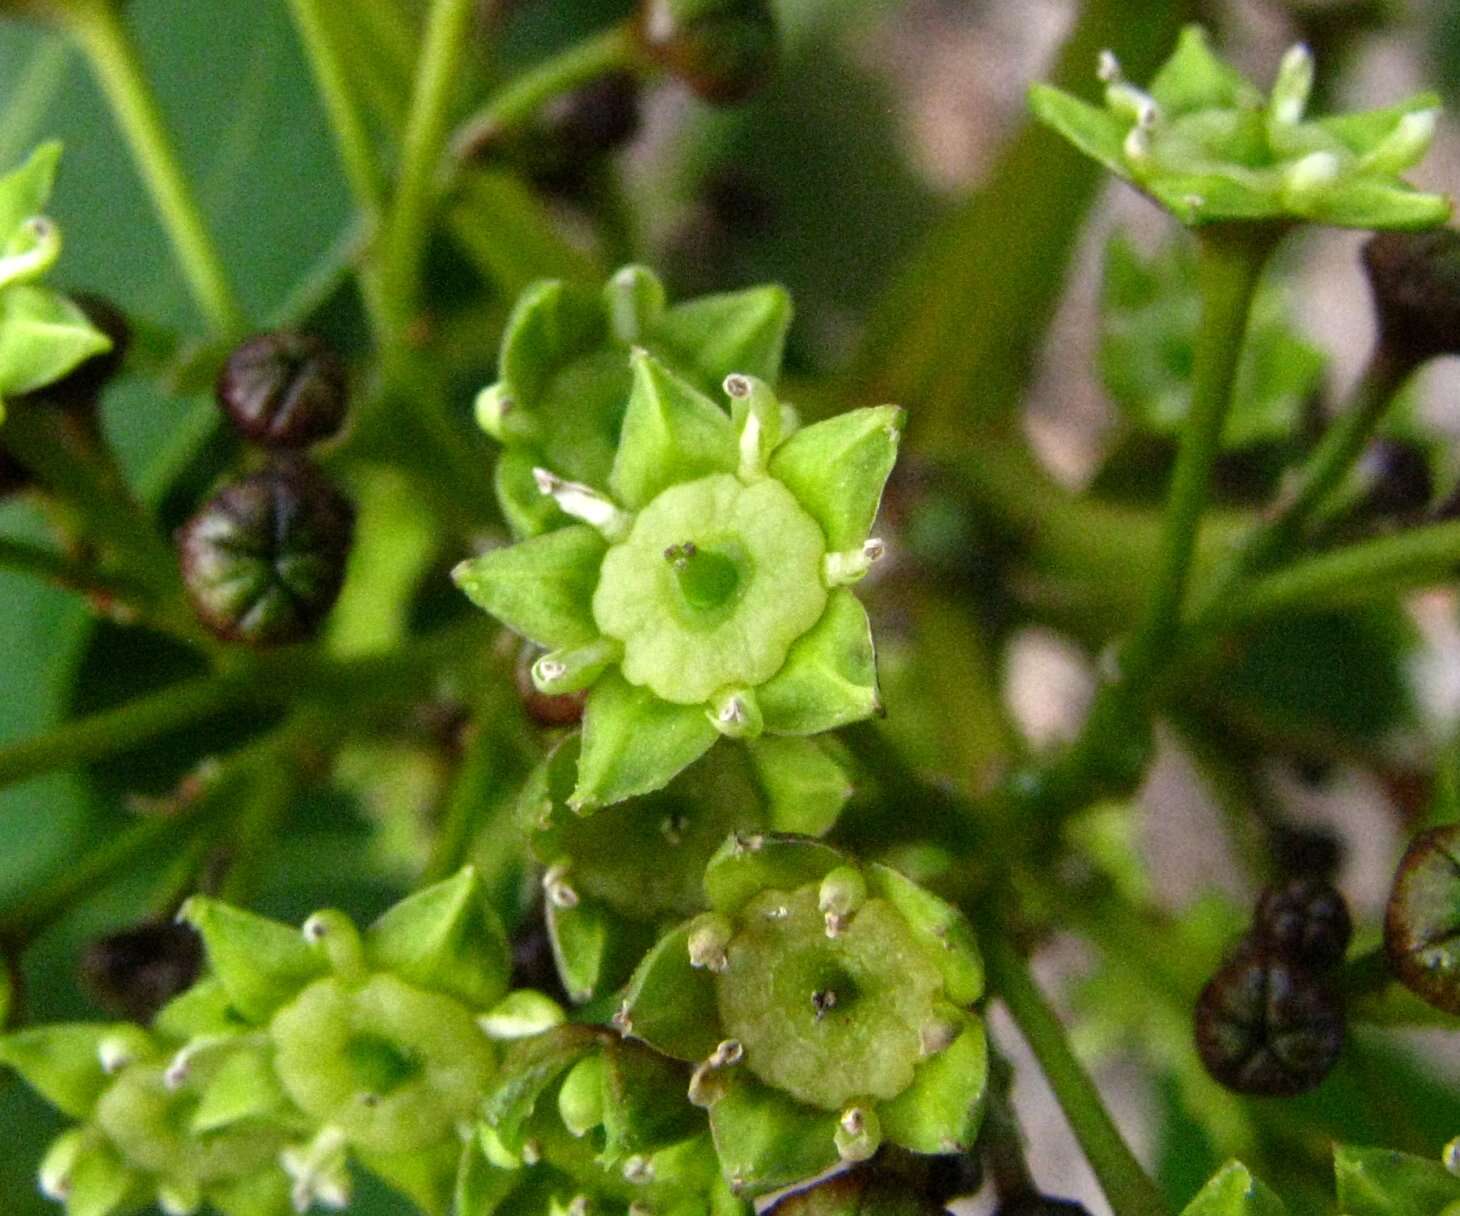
x=1268, y=1026
x=284, y=390
x=722, y=49
x=264, y=559
x=1304, y=922
x=134, y=973
x=1414, y=278
x=1422, y=920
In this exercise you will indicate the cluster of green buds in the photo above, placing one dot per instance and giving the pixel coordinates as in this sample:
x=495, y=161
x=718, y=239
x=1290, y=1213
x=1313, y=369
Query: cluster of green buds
x=825, y=1007
x=705, y=589
x=612, y=882
x=1205, y=144
x=43, y=335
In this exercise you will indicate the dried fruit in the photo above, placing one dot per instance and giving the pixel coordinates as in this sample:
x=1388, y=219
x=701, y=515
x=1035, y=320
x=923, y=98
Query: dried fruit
x=284, y=390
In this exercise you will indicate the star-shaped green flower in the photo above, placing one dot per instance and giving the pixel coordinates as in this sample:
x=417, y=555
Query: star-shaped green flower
x=706, y=592
x=1206, y=145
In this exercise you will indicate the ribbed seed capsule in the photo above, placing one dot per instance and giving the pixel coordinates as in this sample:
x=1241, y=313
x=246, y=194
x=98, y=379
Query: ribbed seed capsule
x=1304, y=922
x=264, y=559
x=284, y=390
x=1268, y=1026
x=1422, y=921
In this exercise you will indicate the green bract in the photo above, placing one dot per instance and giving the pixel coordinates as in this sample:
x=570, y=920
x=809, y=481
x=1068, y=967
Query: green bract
x=705, y=591
x=566, y=375
x=42, y=334
x=613, y=881
x=826, y=1006
x=1205, y=144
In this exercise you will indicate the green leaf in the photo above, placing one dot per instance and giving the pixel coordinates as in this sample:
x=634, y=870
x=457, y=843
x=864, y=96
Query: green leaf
x=940, y=927
x=1194, y=78
x=1382, y=1182
x=741, y=331
x=24, y=191
x=261, y=963
x=941, y=1111
x=830, y=675
x=445, y=938
x=634, y=743
x=671, y=433
x=1095, y=132
x=42, y=337
x=837, y=468
x=745, y=866
x=542, y=587
x=671, y=1005
x=62, y=1063
x=803, y=783
x=1233, y=1191
x=527, y=1070
x=766, y=1140
x=552, y=323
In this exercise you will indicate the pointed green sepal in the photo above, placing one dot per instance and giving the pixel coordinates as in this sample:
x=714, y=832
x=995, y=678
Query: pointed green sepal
x=25, y=191
x=1233, y=1191
x=244, y=1087
x=42, y=337
x=552, y=323
x=715, y=336
x=445, y=938
x=671, y=433
x=62, y=1063
x=941, y=1111
x=1095, y=132
x=645, y=1107
x=942, y=929
x=260, y=963
x=1382, y=1182
x=426, y=1177
x=746, y=865
x=805, y=786
x=766, y=1140
x=830, y=674
x=1195, y=78
x=634, y=743
x=669, y=1003
x=837, y=468
x=580, y=935
x=634, y=300
x=541, y=588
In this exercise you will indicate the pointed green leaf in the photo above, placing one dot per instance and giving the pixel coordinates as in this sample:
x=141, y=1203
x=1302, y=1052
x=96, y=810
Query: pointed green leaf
x=552, y=323
x=741, y=331
x=829, y=677
x=1095, y=132
x=671, y=1005
x=527, y=1071
x=481, y=1187
x=541, y=588
x=24, y=191
x=427, y=1177
x=42, y=337
x=671, y=433
x=260, y=963
x=1194, y=78
x=805, y=786
x=766, y=1140
x=580, y=939
x=445, y=938
x=1233, y=1191
x=837, y=468
x=1382, y=1182
x=745, y=866
x=61, y=1062
x=940, y=1112
x=634, y=743
x=645, y=1102
x=244, y=1087
x=941, y=927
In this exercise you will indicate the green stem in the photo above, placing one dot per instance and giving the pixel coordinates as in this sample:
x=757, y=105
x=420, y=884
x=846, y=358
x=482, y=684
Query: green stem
x=1128, y=1188
x=118, y=68
x=520, y=98
x=256, y=828
x=62, y=571
x=1231, y=262
x=447, y=26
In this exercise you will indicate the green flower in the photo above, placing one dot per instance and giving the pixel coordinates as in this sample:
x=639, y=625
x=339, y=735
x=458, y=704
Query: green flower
x=612, y=882
x=706, y=592
x=43, y=335
x=826, y=1006
x=1206, y=145
x=566, y=374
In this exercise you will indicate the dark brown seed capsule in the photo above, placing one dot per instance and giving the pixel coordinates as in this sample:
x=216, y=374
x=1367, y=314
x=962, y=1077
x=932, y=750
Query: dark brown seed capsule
x=264, y=559
x=865, y=1190
x=1305, y=922
x=1268, y=1026
x=1307, y=852
x=134, y=973
x=284, y=390
x=545, y=709
x=597, y=118
x=724, y=50
x=1415, y=281
x=1422, y=921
